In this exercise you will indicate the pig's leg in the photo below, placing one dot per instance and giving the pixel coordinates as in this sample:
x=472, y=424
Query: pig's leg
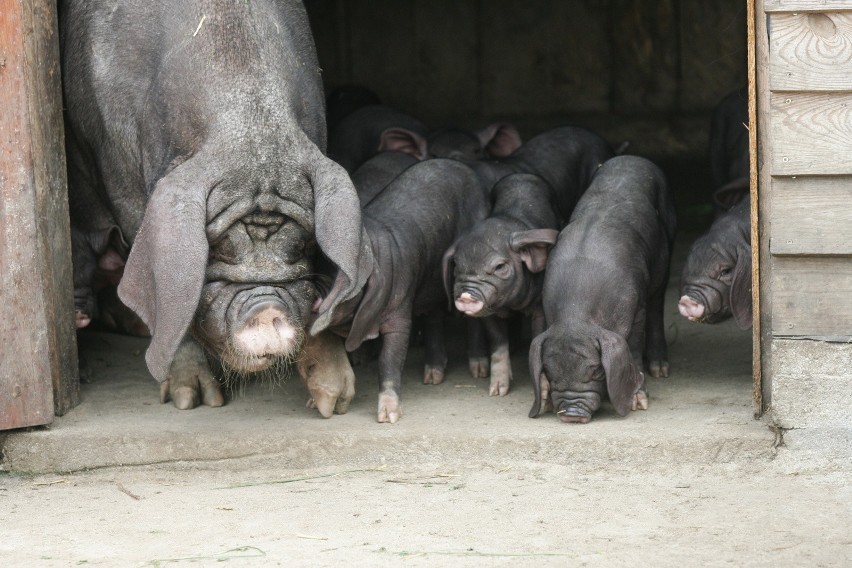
x=501, y=367
x=190, y=382
x=656, y=350
x=538, y=324
x=436, y=348
x=395, y=335
x=636, y=342
x=324, y=369
x=477, y=349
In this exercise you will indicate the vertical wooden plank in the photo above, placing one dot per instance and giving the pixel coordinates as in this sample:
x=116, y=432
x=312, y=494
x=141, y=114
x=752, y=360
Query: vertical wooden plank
x=37, y=340
x=760, y=143
x=544, y=58
x=645, y=56
x=714, y=46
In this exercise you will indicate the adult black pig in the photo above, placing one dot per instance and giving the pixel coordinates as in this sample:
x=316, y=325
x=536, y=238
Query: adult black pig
x=603, y=295
x=716, y=279
x=497, y=267
x=197, y=128
x=410, y=224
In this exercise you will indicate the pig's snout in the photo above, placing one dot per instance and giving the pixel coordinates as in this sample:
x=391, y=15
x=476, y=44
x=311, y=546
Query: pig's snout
x=690, y=308
x=468, y=305
x=266, y=333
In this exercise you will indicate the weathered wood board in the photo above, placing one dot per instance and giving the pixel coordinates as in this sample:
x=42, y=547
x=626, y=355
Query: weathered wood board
x=806, y=5
x=811, y=52
x=38, y=352
x=811, y=133
x=811, y=296
x=811, y=215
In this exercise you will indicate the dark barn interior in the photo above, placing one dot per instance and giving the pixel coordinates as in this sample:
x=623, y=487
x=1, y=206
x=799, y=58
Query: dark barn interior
x=648, y=73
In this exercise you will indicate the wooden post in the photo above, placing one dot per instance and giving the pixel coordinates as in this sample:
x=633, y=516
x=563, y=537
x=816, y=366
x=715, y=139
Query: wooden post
x=38, y=349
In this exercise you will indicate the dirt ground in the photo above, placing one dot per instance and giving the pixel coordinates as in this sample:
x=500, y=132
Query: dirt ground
x=463, y=479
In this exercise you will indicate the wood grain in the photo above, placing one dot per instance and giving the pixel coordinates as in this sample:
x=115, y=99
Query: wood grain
x=811, y=216
x=811, y=133
x=811, y=52
x=812, y=296
x=37, y=338
x=806, y=5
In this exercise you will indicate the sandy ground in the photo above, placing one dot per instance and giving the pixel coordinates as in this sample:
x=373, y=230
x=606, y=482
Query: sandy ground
x=463, y=479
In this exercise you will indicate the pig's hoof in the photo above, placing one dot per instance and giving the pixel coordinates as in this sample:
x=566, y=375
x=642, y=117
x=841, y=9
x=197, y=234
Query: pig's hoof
x=325, y=406
x=433, y=375
x=189, y=382
x=640, y=401
x=501, y=378
x=499, y=386
x=389, y=408
x=478, y=367
x=658, y=369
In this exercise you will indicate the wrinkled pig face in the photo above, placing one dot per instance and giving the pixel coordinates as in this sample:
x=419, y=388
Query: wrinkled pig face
x=486, y=272
x=456, y=145
x=257, y=294
x=572, y=376
x=706, y=282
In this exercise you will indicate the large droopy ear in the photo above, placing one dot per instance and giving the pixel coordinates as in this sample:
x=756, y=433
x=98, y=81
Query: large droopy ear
x=164, y=273
x=623, y=379
x=741, y=300
x=403, y=140
x=340, y=235
x=533, y=246
x=535, y=372
x=447, y=268
x=499, y=139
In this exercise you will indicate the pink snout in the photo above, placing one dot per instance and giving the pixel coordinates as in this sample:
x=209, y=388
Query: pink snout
x=468, y=305
x=690, y=308
x=266, y=333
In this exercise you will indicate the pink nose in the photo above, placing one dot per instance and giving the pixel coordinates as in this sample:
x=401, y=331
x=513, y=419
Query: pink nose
x=689, y=308
x=467, y=304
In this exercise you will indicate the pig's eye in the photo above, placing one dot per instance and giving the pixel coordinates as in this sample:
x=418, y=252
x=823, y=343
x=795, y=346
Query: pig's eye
x=725, y=272
x=501, y=269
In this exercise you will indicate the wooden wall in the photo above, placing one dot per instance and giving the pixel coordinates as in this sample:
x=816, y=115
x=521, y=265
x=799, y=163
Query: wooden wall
x=38, y=351
x=648, y=71
x=806, y=211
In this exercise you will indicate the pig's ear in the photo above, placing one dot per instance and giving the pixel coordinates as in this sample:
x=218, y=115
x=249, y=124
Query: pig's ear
x=340, y=235
x=533, y=246
x=447, y=268
x=535, y=373
x=404, y=140
x=732, y=193
x=623, y=379
x=164, y=273
x=365, y=324
x=741, y=300
x=499, y=139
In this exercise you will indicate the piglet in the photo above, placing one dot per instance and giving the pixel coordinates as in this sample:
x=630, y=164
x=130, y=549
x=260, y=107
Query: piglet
x=409, y=225
x=716, y=279
x=497, y=267
x=603, y=295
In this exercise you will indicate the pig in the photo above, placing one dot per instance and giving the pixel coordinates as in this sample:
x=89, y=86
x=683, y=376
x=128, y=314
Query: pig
x=376, y=173
x=603, y=295
x=377, y=128
x=716, y=281
x=729, y=149
x=410, y=224
x=566, y=158
x=497, y=267
x=197, y=129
